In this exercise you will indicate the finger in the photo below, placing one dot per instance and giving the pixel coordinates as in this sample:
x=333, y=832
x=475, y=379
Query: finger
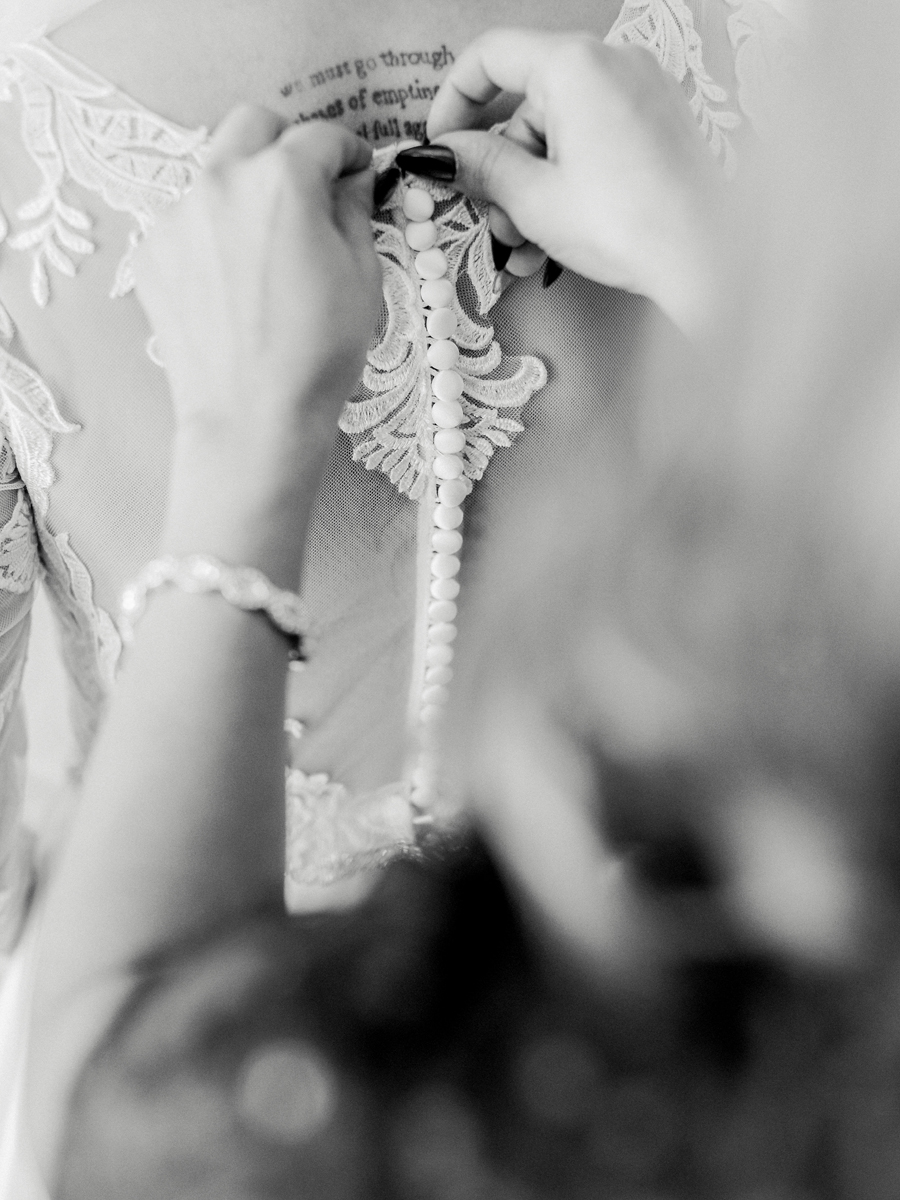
x=353, y=212
x=244, y=132
x=528, y=129
x=502, y=227
x=490, y=167
x=525, y=260
x=329, y=151
x=502, y=60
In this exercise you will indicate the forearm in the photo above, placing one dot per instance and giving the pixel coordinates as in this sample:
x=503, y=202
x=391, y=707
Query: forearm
x=181, y=820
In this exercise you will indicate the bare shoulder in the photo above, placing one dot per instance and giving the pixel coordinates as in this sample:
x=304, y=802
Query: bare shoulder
x=373, y=66
x=192, y=60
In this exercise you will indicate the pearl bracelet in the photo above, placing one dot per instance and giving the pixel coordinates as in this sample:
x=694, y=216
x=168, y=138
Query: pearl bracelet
x=244, y=587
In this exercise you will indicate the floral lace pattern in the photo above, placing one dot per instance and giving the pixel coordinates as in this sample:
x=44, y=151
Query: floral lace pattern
x=19, y=559
x=29, y=416
x=765, y=47
x=78, y=128
x=75, y=127
x=332, y=833
x=90, y=641
x=666, y=28
x=389, y=420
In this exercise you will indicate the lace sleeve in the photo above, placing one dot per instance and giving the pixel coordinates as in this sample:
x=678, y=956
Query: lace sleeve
x=19, y=570
x=766, y=44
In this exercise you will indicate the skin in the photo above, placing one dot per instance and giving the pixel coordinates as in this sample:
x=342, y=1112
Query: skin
x=165, y=843
x=603, y=165
x=194, y=62
x=153, y=786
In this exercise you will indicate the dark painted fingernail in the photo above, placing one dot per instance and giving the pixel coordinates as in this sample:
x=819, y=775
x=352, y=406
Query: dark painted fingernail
x=552, y=272
x=434, y=162
x=385, y=184
x=501, y=253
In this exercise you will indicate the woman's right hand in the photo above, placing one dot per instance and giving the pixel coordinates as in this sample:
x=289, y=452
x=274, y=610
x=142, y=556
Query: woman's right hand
x=263, y=288
x=603, y=165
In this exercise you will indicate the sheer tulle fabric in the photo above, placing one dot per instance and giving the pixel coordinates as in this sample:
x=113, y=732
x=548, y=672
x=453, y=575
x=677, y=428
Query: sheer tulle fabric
x=86, y=426
x=86, y=416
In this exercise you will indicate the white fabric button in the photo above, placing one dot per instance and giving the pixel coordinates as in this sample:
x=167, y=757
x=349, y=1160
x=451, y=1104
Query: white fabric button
x=439, y=675
x=435, y=694
x=442, y=323
x=442, y=635
x=432, y=264
x=442, y=610
x=447, y=385
x=444, y=566
x=445, y=589
x=421, y=235
x=448, y=516
x=439, y=655
x=430, y=713
x=450, y=441
x=447, y=466
x=437, y=293
x=447, y=414
x=417, y=204
x=443, y=355
x=446, y=541
x=453, y=491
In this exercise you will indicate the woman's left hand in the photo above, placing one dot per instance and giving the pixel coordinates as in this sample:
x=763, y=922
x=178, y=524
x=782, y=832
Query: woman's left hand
x=602, y=166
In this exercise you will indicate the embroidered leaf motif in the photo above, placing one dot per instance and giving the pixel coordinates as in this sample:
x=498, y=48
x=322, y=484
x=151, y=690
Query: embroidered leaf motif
x=19, y=557
x=30, y=417
x=77, y=127
x=666, y=28
x=90, y=643
x=389, y=419
x=766, y=48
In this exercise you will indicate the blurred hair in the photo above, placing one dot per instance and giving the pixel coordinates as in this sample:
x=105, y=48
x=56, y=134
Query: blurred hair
x=462, y=1064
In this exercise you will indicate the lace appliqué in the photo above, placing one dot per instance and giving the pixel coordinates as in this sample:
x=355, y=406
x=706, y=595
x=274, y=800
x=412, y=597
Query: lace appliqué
x=17, y=880
x=666, y=27
x=333, y=834
x=90, y=641
x=77, y=126
x=19, y=557
x=30, y=417
x=389, y=419
x=766, y=45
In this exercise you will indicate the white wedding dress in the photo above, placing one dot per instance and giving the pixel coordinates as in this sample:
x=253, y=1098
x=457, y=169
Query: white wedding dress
x=85, y=428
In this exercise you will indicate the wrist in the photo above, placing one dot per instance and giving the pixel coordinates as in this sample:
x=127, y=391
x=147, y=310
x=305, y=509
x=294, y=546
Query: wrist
x=225, y=507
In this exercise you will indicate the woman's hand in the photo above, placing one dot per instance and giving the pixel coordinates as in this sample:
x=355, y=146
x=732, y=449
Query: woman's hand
x=603, y=165
x=263, y=288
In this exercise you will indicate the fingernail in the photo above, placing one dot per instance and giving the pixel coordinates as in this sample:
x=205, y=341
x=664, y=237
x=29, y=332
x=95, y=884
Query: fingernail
x=434, y=162
x=385, y=184
x=501, y=253
x=552, y=272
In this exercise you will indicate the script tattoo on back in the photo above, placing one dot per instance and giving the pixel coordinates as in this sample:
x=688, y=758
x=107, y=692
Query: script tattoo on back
x=382, y=97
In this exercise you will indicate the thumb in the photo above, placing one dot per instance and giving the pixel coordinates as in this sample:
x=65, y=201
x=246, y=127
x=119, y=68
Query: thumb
x=352, y=215
x=491, y=167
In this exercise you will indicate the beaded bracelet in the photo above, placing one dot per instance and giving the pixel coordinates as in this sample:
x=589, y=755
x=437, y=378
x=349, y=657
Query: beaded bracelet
x=244, y=587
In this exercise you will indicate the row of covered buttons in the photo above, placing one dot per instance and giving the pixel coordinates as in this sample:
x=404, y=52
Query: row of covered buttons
x=449, y=443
